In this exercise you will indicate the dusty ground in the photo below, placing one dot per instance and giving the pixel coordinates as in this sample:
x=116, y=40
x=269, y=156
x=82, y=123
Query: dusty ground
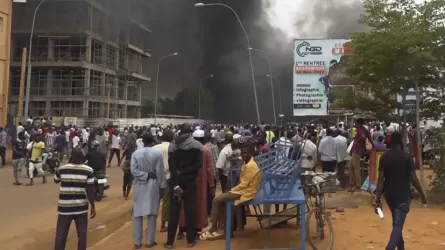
x=28, y=218
x=354, y=229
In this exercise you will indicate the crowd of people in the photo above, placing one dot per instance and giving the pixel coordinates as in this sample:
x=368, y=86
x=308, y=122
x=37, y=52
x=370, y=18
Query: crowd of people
x=174, y=170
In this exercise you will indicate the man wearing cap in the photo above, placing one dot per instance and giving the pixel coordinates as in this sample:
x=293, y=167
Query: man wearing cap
x=205, y=186
x=185, y=162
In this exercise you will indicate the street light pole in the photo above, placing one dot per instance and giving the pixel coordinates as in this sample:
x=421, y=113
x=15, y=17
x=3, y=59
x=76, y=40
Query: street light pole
x=248, y=46
x=271, y=83
x=279, y=94
x=157, y=82
x=199, y=95
x=28, y=76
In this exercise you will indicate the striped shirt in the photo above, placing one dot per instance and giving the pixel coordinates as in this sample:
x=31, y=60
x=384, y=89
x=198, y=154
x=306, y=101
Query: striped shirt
x=215, y=153
x=73, y=182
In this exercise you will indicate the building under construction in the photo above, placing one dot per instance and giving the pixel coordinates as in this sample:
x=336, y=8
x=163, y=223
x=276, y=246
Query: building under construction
x=90, y=58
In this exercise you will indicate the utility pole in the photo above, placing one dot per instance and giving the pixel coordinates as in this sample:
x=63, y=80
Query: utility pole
x=419, y=138
x=22, y=87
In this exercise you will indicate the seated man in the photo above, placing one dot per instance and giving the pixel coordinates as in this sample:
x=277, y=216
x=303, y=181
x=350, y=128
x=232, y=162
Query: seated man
x=246, y=190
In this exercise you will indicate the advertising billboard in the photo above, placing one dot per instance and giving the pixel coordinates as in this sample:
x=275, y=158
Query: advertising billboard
x=317, y=63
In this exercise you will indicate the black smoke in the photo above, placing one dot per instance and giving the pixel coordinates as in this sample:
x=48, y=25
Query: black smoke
x=211, y=41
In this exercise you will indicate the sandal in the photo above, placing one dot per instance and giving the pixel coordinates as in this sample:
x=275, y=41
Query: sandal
x=208, y=235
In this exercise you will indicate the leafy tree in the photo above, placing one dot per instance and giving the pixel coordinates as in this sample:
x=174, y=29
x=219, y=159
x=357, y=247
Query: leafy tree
x=435, y=138
x=404, y=48
x=357, y=101
x=148, y=107
x=168, y=106
x=186, y=102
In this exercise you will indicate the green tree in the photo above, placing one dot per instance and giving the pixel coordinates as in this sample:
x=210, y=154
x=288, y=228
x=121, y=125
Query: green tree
x=186, y=102
x=148, y=107
x=168, y=106
x=435, y=138
x=404, y=48
x=346, y=98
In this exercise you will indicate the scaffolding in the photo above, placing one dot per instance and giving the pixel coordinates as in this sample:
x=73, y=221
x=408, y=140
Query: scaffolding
x=94, y=73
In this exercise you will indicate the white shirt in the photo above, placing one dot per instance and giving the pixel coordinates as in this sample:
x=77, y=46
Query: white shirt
x=85, y=135
x=67, y=135
x=223, y=161
x=285, y=145
x=20, y=128
x=322, y=133
x=328, y=149
x=342, y=146
x=153, y=131
x=309, y=149
x=76, y=141
x=115, y=141
x=139, y=143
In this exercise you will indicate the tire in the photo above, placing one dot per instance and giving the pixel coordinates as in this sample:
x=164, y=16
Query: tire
x=99, y=192
x=330, y=237
x=56, y=163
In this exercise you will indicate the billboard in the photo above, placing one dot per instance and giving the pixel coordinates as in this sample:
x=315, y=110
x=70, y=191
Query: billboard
x=318, y=65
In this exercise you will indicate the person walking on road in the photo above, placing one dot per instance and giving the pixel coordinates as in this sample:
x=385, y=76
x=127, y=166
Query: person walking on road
x=19, y=152
x=36, y=159
x=147, y=167
x=76, y=191
x=396, y=173
x=115, y=148
x=3, y=141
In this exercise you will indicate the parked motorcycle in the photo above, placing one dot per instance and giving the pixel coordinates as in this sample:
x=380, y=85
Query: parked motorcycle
x=100, y=185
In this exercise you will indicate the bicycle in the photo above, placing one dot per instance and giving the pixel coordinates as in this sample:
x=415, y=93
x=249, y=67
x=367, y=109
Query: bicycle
x=315, y=185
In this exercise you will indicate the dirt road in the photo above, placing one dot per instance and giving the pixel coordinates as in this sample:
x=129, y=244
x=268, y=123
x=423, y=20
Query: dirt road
x=29, y=214
x=355, y=229
x=28, y=218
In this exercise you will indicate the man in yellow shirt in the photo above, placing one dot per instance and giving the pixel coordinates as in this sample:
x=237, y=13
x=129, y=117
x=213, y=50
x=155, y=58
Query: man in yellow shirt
x=246, y=190
x=35, y=161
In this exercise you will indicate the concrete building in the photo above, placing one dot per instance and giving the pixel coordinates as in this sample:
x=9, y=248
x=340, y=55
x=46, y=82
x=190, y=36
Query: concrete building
x=90, y=58
x=5, y=42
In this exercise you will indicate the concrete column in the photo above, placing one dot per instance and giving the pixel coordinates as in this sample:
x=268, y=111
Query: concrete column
x=88, y=49
x=50, y=49
x=104, y=54
x=124, y=112
x=140, y=100
x=49, y=90
x=86, y=92
x=103, y=94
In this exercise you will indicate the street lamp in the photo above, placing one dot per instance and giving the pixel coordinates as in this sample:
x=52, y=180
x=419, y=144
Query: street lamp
x=28, y=76
x=157, y=82
x=271, y=82
x=279, y=92
x=248, y=46
x=199, y=96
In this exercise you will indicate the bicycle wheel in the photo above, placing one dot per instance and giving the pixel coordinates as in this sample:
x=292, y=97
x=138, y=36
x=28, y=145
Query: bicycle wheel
x=319, y=230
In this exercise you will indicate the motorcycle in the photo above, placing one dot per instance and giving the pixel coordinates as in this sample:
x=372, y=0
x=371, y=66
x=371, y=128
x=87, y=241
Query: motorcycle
x=52, y=162
x=101, y=185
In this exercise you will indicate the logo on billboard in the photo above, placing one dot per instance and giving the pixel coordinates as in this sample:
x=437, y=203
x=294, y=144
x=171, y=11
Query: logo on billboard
x=305, y=48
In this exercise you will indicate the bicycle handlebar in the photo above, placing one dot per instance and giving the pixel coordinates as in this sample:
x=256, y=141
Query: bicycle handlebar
x=324, y=174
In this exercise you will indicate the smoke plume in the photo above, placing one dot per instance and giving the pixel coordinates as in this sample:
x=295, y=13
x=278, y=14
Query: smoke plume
x=213, y=43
